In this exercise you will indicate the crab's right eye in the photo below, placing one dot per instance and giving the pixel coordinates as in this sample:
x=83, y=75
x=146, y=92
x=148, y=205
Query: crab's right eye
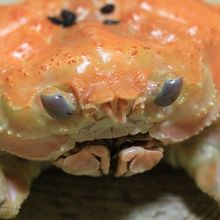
x=57, y=106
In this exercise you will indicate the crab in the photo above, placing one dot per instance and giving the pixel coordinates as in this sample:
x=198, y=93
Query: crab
x=107, y=88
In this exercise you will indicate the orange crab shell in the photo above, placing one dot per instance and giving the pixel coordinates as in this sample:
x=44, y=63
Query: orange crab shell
x=100, y=64
x=80, y=88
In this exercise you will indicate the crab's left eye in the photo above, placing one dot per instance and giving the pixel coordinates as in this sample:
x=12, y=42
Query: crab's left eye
x=57, y=106
x=169, y=93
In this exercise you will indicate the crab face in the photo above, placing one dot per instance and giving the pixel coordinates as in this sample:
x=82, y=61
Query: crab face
x=86, y=74
x=100, y=87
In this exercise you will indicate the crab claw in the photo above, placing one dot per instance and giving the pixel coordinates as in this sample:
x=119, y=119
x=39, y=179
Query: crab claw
x=137, y=159
x=16, y=176
x=200, y=157
x=92, y=160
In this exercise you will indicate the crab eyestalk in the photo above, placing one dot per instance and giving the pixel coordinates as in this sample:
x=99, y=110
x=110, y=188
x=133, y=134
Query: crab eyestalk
x=58, y=104
x=169, y=93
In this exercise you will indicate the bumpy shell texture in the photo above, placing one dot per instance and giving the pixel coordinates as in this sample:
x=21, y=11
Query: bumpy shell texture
x=103, y=87
x=75, y=71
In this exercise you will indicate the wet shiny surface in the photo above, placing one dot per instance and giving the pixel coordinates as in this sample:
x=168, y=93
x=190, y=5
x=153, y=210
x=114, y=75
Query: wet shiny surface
x=115, y=71
x=57, y=107
x=154, y=41
x=169, y=92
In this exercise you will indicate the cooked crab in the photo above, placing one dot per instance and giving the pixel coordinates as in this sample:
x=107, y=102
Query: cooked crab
x=106, y=87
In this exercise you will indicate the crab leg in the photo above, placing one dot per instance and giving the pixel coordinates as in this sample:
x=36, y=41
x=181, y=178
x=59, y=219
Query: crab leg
x=137, y=159
x=200, y=157
x=91, y=160
x=16, y=176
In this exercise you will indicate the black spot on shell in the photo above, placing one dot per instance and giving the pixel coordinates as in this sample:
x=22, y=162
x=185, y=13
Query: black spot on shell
x=55, y=20
x=69, y=18
x=111, y=22
x=66, y=19
x=107, y=9
x=169, y=92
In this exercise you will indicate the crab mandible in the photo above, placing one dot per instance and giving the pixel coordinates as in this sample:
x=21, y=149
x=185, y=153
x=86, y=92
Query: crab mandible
x=98, y=87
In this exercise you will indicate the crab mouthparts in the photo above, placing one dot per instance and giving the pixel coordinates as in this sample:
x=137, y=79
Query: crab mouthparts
x=122, y=156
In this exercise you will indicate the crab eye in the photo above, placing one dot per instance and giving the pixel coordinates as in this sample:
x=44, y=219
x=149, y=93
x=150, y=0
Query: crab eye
x=169, y=92
x=57, y=106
